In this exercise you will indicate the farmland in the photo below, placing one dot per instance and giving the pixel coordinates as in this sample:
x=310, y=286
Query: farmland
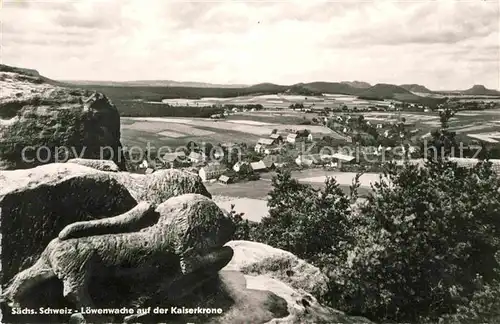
x=178, y=131
x=248, y=126
x=250, y=197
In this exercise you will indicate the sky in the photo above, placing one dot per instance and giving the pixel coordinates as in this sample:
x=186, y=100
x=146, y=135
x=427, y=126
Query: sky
x=444, y=45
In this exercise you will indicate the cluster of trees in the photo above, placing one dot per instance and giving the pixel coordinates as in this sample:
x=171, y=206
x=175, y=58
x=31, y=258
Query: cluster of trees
x=296, y=106
x=147, y=109
x=423, y=248
x=248, y=106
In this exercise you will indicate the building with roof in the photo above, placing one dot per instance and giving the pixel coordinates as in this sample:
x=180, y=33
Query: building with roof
x=196, y=157
x=224, y=179
x=342, y=157
x=263, y=143
x=258, y=166
x=210, y=172
x=277, y=138
x=267, y=141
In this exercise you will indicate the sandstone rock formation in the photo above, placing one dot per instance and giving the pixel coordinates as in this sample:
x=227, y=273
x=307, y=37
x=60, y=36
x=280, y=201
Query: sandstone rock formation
x=41, y=122
x=188, y=236
x=274, y=270
x=255, y=259
x=36, y=204
x=102, y=165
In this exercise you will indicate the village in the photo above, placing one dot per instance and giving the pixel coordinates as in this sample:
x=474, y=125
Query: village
x=230, y=162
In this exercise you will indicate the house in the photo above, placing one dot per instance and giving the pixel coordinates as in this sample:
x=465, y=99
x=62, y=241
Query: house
x=171, y=157
x=224, y=179
x=277, y=138
x=272, y=150
x=379, y=126
x=263, y=143
x=210, y=172
x=196, y=157
x=342, y=158
x=237, y=167
x=310, y=137
x=258, y=166
x=267, y=141
x=149, y=171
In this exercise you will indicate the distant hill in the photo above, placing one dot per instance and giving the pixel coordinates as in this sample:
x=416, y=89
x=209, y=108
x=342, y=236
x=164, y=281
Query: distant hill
x=480, y=90
x=156, y=83
x=384, y=91
x=332, y=88
x=267, y=87
x=302, y=90
x=358, y=84
x=415, y=88
x=31, y=74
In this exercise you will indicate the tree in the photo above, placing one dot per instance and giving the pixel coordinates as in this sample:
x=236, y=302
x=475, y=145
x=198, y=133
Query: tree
x=303, y=220
x=242, y=226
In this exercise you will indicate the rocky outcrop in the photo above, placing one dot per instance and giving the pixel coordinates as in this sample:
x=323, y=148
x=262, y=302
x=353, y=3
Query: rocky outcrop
x=102, y=165
x=294, y=280
x=187, y=237
x=255, y=259
x=75, y=236
x=37, y=203
x=42, y=123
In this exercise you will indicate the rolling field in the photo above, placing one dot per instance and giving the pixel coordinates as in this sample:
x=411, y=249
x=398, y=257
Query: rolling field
x=250, y=197
x=138, y=131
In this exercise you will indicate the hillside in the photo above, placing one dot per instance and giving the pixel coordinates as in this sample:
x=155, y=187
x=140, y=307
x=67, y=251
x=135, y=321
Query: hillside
x=156, y=83
x=332, y=88
x=415, y=88
x=29, y=75
x=481, y=90
x=385, y=91
x=358, y=84
x=301, y=90
x=382, y=91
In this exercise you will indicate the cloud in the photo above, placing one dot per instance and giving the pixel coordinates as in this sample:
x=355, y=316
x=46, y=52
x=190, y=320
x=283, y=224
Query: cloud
x=442, y=44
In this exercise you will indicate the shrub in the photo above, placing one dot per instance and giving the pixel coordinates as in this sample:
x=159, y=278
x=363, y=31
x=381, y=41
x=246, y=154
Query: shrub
x=424, y=238
x=303, y=220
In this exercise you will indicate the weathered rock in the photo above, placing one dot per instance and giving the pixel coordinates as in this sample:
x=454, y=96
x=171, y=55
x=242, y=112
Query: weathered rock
x=101, y=165
x=188, y=237
x=42, y=123
x=259, y=299
x=161, y=185
x=253, y=258
x=36, y=204
x=294, y=280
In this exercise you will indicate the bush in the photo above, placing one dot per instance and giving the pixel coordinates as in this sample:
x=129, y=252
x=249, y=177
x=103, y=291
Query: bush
x=303, y=220
x=423, y=241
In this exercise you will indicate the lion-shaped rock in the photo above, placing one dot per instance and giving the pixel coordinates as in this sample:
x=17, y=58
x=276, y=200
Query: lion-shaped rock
x=189, y=235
